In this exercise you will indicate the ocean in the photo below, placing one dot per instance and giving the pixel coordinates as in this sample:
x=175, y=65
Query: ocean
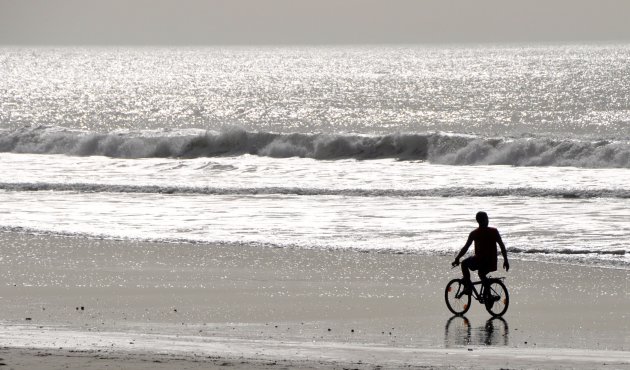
x=378, y=149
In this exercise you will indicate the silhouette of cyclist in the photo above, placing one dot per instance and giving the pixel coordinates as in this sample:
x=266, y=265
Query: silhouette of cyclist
x=485, y=259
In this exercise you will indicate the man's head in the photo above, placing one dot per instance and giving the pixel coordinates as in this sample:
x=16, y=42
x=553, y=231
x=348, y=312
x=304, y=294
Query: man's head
x=482, y=219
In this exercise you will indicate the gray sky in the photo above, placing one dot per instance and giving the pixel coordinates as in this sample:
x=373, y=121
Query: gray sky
x=196, y=22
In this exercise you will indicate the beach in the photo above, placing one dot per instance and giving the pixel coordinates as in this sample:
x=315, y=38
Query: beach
x=300, y=206
x=90, y=303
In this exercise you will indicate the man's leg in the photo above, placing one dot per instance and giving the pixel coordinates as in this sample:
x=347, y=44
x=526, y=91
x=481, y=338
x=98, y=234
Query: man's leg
x=467, y=265
x=466, y=270
x=483, y=277
x=482, y=274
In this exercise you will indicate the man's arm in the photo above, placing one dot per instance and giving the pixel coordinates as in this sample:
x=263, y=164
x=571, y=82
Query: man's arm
x=463, y=251
x=506, y=264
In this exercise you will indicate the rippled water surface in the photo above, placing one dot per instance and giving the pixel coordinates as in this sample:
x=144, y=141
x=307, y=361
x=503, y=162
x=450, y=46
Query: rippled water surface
x=579, y=91
x=390, y=149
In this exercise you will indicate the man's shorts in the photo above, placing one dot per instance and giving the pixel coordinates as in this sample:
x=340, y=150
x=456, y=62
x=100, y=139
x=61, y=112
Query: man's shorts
x=473, y=264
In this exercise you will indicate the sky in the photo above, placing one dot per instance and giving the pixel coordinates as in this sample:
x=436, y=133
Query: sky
x=255, y=22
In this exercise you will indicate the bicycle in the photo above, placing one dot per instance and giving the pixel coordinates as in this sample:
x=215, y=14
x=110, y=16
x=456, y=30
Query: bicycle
x=493, y=295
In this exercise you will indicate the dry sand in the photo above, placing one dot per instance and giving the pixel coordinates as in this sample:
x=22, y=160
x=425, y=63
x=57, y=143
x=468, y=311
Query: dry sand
x=88, y=304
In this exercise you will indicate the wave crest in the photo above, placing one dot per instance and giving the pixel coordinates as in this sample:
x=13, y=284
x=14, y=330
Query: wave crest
x=436, y=147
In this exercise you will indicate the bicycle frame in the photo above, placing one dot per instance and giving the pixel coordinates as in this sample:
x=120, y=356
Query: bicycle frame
x=478, y=295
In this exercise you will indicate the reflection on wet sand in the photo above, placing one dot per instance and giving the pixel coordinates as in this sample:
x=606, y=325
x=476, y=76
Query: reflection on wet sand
x=458, y=331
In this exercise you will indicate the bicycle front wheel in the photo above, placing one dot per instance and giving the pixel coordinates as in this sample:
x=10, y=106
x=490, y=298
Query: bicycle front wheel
x=496, y=298
x=457, y=302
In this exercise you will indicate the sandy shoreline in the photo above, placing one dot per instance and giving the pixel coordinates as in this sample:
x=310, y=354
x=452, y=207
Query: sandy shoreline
x=250, y=307
x=189, y=353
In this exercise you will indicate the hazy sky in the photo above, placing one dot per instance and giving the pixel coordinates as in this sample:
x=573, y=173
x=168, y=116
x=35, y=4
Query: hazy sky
x=194, y=22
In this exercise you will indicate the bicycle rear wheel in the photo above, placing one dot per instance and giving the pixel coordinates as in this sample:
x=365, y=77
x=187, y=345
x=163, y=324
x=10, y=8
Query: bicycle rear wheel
x=456, y=302
x=496, y=298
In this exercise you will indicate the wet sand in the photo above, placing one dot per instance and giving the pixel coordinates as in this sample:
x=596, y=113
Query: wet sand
x=90, y=303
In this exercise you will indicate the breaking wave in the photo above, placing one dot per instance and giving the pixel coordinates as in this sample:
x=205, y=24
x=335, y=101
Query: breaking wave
x=434, y=192
x=436, y=148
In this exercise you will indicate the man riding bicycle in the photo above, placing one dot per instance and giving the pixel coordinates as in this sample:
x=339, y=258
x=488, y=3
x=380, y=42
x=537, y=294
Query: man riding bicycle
x=485, y=259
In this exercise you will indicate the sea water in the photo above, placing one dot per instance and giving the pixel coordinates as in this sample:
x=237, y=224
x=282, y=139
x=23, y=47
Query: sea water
x=382, y=149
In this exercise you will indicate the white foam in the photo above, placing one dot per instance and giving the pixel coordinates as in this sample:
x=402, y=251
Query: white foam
x=454, y=191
